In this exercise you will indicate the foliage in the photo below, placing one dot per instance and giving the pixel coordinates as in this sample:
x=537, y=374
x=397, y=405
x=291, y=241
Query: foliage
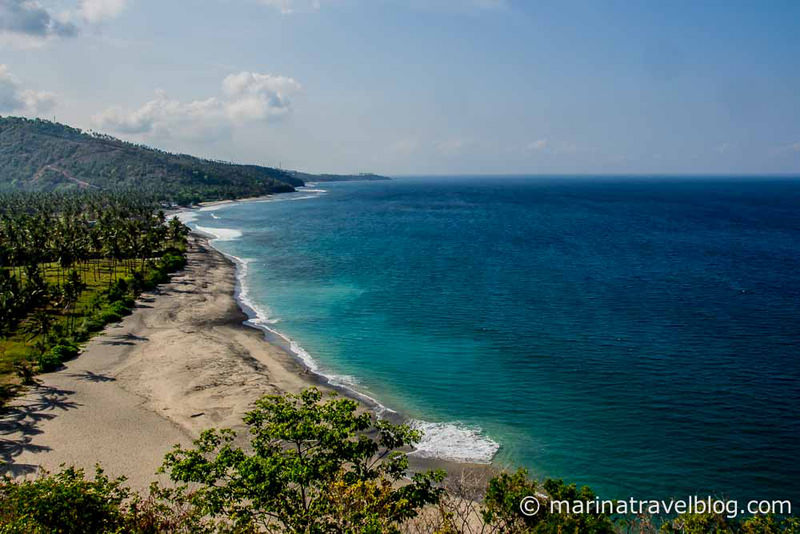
x=721, y=524
x=65, y=502
x=40, y=155
x=507, y=490
x=313, y=468
x=52, y=360
x=72, y=262
x=319, y=465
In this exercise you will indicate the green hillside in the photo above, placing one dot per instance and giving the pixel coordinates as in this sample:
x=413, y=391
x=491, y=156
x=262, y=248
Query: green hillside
x=39, y=155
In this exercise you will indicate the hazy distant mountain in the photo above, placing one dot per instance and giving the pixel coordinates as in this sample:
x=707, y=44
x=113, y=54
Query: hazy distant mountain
x=40, y=155
x=306, y=177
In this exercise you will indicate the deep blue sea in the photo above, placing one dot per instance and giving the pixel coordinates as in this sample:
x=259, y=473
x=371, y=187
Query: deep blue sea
x=639, y=335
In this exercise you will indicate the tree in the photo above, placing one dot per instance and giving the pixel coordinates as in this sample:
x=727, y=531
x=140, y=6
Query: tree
x=65, y=502
x=317, y=466
x=40, y=324
x=507, y=491
x=70, y=293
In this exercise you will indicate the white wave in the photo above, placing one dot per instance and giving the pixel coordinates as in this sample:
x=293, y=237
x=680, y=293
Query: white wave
x=446, y=441
x=307, y=190
x=256, y=314
x=214, y=216
x=186, y=216
x=454, y=441
x=343, y=380
x=220, y=234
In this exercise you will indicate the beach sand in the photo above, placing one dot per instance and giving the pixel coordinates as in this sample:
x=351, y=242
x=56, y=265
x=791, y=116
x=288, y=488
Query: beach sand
x=182, y=362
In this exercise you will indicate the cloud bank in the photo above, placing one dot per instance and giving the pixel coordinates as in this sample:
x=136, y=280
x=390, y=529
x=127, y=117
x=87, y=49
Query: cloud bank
x=28, y=23
x=245, y=97
x=15, y=99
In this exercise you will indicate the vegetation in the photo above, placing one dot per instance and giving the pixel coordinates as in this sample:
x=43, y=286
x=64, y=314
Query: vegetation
x=312, y=469
x=72, y=261
x=69, y=264
x=40, y=155
x=368, y=176
x=316, y=465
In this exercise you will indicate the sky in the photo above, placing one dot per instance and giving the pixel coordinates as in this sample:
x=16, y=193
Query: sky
x=421, y=86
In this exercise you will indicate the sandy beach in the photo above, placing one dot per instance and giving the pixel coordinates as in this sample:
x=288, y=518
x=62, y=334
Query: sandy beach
x=181, y=363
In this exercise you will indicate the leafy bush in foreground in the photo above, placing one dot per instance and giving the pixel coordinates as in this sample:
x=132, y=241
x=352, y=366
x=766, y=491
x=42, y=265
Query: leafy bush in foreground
x=312, y=468
x=63, y=502
x=318, y=465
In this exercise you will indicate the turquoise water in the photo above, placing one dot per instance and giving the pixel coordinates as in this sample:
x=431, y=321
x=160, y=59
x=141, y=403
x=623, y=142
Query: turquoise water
x=639, y=336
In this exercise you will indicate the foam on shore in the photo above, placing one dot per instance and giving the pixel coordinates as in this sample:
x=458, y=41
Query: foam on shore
x=454, y=441
x=444, y=441
x=220, y=234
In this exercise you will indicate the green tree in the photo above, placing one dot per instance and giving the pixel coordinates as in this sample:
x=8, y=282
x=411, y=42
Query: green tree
x=505, y=493
x=65, y=502
x=317, y=465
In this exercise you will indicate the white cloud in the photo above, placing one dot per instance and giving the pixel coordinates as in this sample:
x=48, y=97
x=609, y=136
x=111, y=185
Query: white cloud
x=14, y=99
x=99, y=10
x=539, y=144
x=30, y=24
x=245, y=97
x=26, y=23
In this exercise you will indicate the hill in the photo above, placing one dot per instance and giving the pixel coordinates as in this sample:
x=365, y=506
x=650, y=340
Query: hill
x=306, y=177
x=39, y=155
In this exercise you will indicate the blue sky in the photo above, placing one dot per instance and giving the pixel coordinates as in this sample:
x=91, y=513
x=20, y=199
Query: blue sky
x=414, y=86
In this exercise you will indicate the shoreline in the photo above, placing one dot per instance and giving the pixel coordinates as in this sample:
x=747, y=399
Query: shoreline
x=311, y=372
x=180, y=363
x=185, y=360
x=434, y=433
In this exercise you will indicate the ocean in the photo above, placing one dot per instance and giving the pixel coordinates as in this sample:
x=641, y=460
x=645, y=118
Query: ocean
x=640, y=335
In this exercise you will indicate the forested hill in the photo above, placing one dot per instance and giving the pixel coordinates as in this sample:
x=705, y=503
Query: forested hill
x=39, y=155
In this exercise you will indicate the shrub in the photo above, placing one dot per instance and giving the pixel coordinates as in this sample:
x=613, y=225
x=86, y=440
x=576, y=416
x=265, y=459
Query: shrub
x=24, y=370
x=121, y=308
x=65, y=351
x=65, y=502
x=107, y=315
x=80, y=334
x=312, y=467
x=171, y=262
x=93, y=324
x=52, y=360
x=48, y=362
x=507, y=490
x=155, y=277
x=118, y=290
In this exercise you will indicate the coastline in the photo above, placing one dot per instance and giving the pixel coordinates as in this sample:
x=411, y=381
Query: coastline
x=310, y=370
x=180, y=363
x=185, y=360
